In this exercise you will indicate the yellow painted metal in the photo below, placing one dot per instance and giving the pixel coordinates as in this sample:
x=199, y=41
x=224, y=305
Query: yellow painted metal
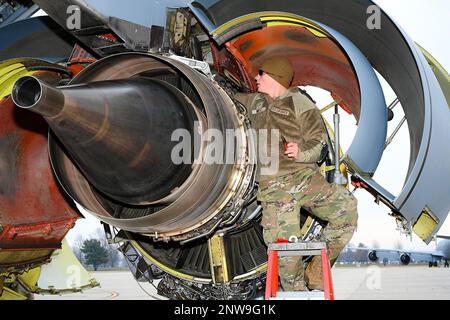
x=280, y=21
x=306, y=225
x=7, y=83
x=165, y=268
x=249, y=275
x=10, y=71
x=273, y=18
x=13, y=257
x=64, y=274
x=218, y=260
x=426, y=224
x=221, y=29
x=7, y=280
x=8, y=67
x=441, y=74
x=329, y=106
x=9, y=294
x=30, y=278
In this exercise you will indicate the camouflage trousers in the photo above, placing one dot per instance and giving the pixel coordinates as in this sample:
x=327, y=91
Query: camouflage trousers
x=282, y=198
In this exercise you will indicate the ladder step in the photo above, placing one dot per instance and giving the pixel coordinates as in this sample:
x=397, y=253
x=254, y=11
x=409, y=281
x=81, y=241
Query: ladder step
x=299, y=295
x=292, y=253
x=284, y=248
x=297, y=246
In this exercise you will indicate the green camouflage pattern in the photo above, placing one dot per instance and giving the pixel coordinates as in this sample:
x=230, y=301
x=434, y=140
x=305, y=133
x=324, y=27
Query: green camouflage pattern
x=281, y=199
x=298, y=183
x=298, y=120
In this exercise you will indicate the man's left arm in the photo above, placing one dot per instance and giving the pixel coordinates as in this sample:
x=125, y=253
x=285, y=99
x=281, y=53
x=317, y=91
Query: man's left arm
x=314, y=136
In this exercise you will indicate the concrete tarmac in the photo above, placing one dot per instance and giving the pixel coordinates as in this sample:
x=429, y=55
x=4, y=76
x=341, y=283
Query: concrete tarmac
x=350, y=283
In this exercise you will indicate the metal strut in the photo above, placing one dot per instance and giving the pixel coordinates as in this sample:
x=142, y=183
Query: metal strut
x=389, y=140
x=338, y=176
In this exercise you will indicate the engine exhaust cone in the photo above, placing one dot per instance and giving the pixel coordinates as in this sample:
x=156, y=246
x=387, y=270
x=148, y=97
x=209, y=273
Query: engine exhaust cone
x=118, y=132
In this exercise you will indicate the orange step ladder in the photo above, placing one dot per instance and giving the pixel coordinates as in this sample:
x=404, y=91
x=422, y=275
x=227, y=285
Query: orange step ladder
x=284, y=248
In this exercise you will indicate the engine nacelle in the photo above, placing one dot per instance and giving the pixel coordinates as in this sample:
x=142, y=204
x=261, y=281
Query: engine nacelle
x=372, y=256
x=405, y=259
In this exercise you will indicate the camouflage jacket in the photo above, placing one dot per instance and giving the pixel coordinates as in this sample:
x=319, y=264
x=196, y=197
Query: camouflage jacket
x=298, y=120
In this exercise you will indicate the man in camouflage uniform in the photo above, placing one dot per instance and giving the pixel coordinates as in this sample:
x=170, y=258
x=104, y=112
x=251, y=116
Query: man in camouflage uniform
x=298, y=182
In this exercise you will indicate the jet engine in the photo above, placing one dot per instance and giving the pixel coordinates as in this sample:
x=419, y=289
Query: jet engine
x=405, y=259
x=372, y=256
x=117, y=163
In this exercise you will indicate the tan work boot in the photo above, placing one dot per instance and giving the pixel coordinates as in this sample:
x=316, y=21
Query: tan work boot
x=313, y=272
x=314, y=275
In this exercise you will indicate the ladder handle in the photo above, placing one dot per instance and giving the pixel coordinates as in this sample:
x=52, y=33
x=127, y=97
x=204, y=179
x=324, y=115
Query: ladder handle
x=275, y=274
x=272, y=275
x=326, y=271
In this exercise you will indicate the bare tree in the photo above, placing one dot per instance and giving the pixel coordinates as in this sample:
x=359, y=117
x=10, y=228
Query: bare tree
x=375, y=244
x=360, y=254
x=114, y=256
x=76, y=247
x=398, y=244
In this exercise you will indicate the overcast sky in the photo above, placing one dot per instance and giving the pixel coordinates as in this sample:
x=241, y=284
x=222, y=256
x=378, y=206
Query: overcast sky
x=426, y=22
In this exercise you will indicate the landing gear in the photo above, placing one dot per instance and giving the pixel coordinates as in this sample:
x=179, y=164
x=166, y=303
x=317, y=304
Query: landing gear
x=432, y=264
x=446, y=265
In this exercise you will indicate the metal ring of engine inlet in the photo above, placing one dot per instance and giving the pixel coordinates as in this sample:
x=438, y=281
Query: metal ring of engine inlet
x=213, y=185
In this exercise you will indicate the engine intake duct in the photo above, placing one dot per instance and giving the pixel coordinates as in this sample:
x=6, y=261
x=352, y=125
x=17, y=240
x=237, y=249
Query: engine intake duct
x=118, y=132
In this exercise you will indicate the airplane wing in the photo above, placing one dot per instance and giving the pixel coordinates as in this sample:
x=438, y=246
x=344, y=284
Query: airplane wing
x=425, y=256
x=403, y=256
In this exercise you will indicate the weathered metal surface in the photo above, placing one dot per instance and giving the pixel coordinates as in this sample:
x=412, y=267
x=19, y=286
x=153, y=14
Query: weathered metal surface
x=320, y=61
x=34, y=212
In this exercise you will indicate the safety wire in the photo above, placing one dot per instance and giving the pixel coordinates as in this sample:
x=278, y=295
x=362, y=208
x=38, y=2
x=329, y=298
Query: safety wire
x=115, y=232
x=142, y=288
x=146, y=292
